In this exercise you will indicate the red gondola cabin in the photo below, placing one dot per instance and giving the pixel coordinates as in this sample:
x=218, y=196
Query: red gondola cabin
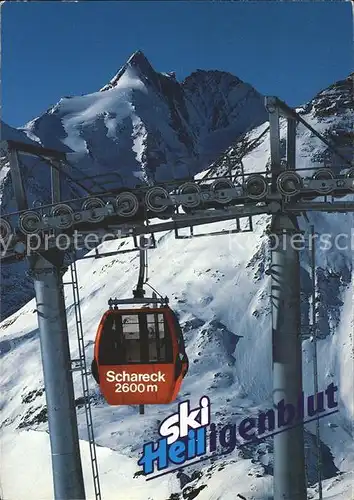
x=139, y=356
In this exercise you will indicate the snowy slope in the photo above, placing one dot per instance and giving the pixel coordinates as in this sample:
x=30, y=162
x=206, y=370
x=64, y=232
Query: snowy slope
x=235, y=478
x=219, y=288
x=218, y=295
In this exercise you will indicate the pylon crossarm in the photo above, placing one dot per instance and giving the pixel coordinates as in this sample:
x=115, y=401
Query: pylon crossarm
x=344, y=207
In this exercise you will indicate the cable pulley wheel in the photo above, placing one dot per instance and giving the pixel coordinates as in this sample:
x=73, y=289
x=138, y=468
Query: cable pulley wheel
x=92, y=204
x=218, y=187
x=323, y=174
x=127, y=204
x=154, y=197
x=65, y=212
x=29, y=222
x=256, y=187
x=289, y=183
x=193, y=190
x=5, y=230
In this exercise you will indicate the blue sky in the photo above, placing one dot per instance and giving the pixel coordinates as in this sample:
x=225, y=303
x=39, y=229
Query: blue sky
x=55, y=49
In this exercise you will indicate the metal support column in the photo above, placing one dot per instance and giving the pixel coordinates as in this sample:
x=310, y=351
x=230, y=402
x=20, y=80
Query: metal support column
x=17, y=180
x=64, y=440
x=55, y=182
x=291, y=144
x=315, y=365
x=274, y=136
x=289, y=459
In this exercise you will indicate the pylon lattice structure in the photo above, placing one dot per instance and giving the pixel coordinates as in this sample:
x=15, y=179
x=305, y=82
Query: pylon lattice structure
x=281, y=191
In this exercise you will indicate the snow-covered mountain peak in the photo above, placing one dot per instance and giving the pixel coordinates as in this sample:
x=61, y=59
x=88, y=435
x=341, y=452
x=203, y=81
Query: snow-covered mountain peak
x=331, y=112
x=138, y=65
x=145, y=126
x=336, y=99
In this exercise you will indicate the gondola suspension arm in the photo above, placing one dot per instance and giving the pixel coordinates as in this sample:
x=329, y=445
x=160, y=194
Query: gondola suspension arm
x=139, y=291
